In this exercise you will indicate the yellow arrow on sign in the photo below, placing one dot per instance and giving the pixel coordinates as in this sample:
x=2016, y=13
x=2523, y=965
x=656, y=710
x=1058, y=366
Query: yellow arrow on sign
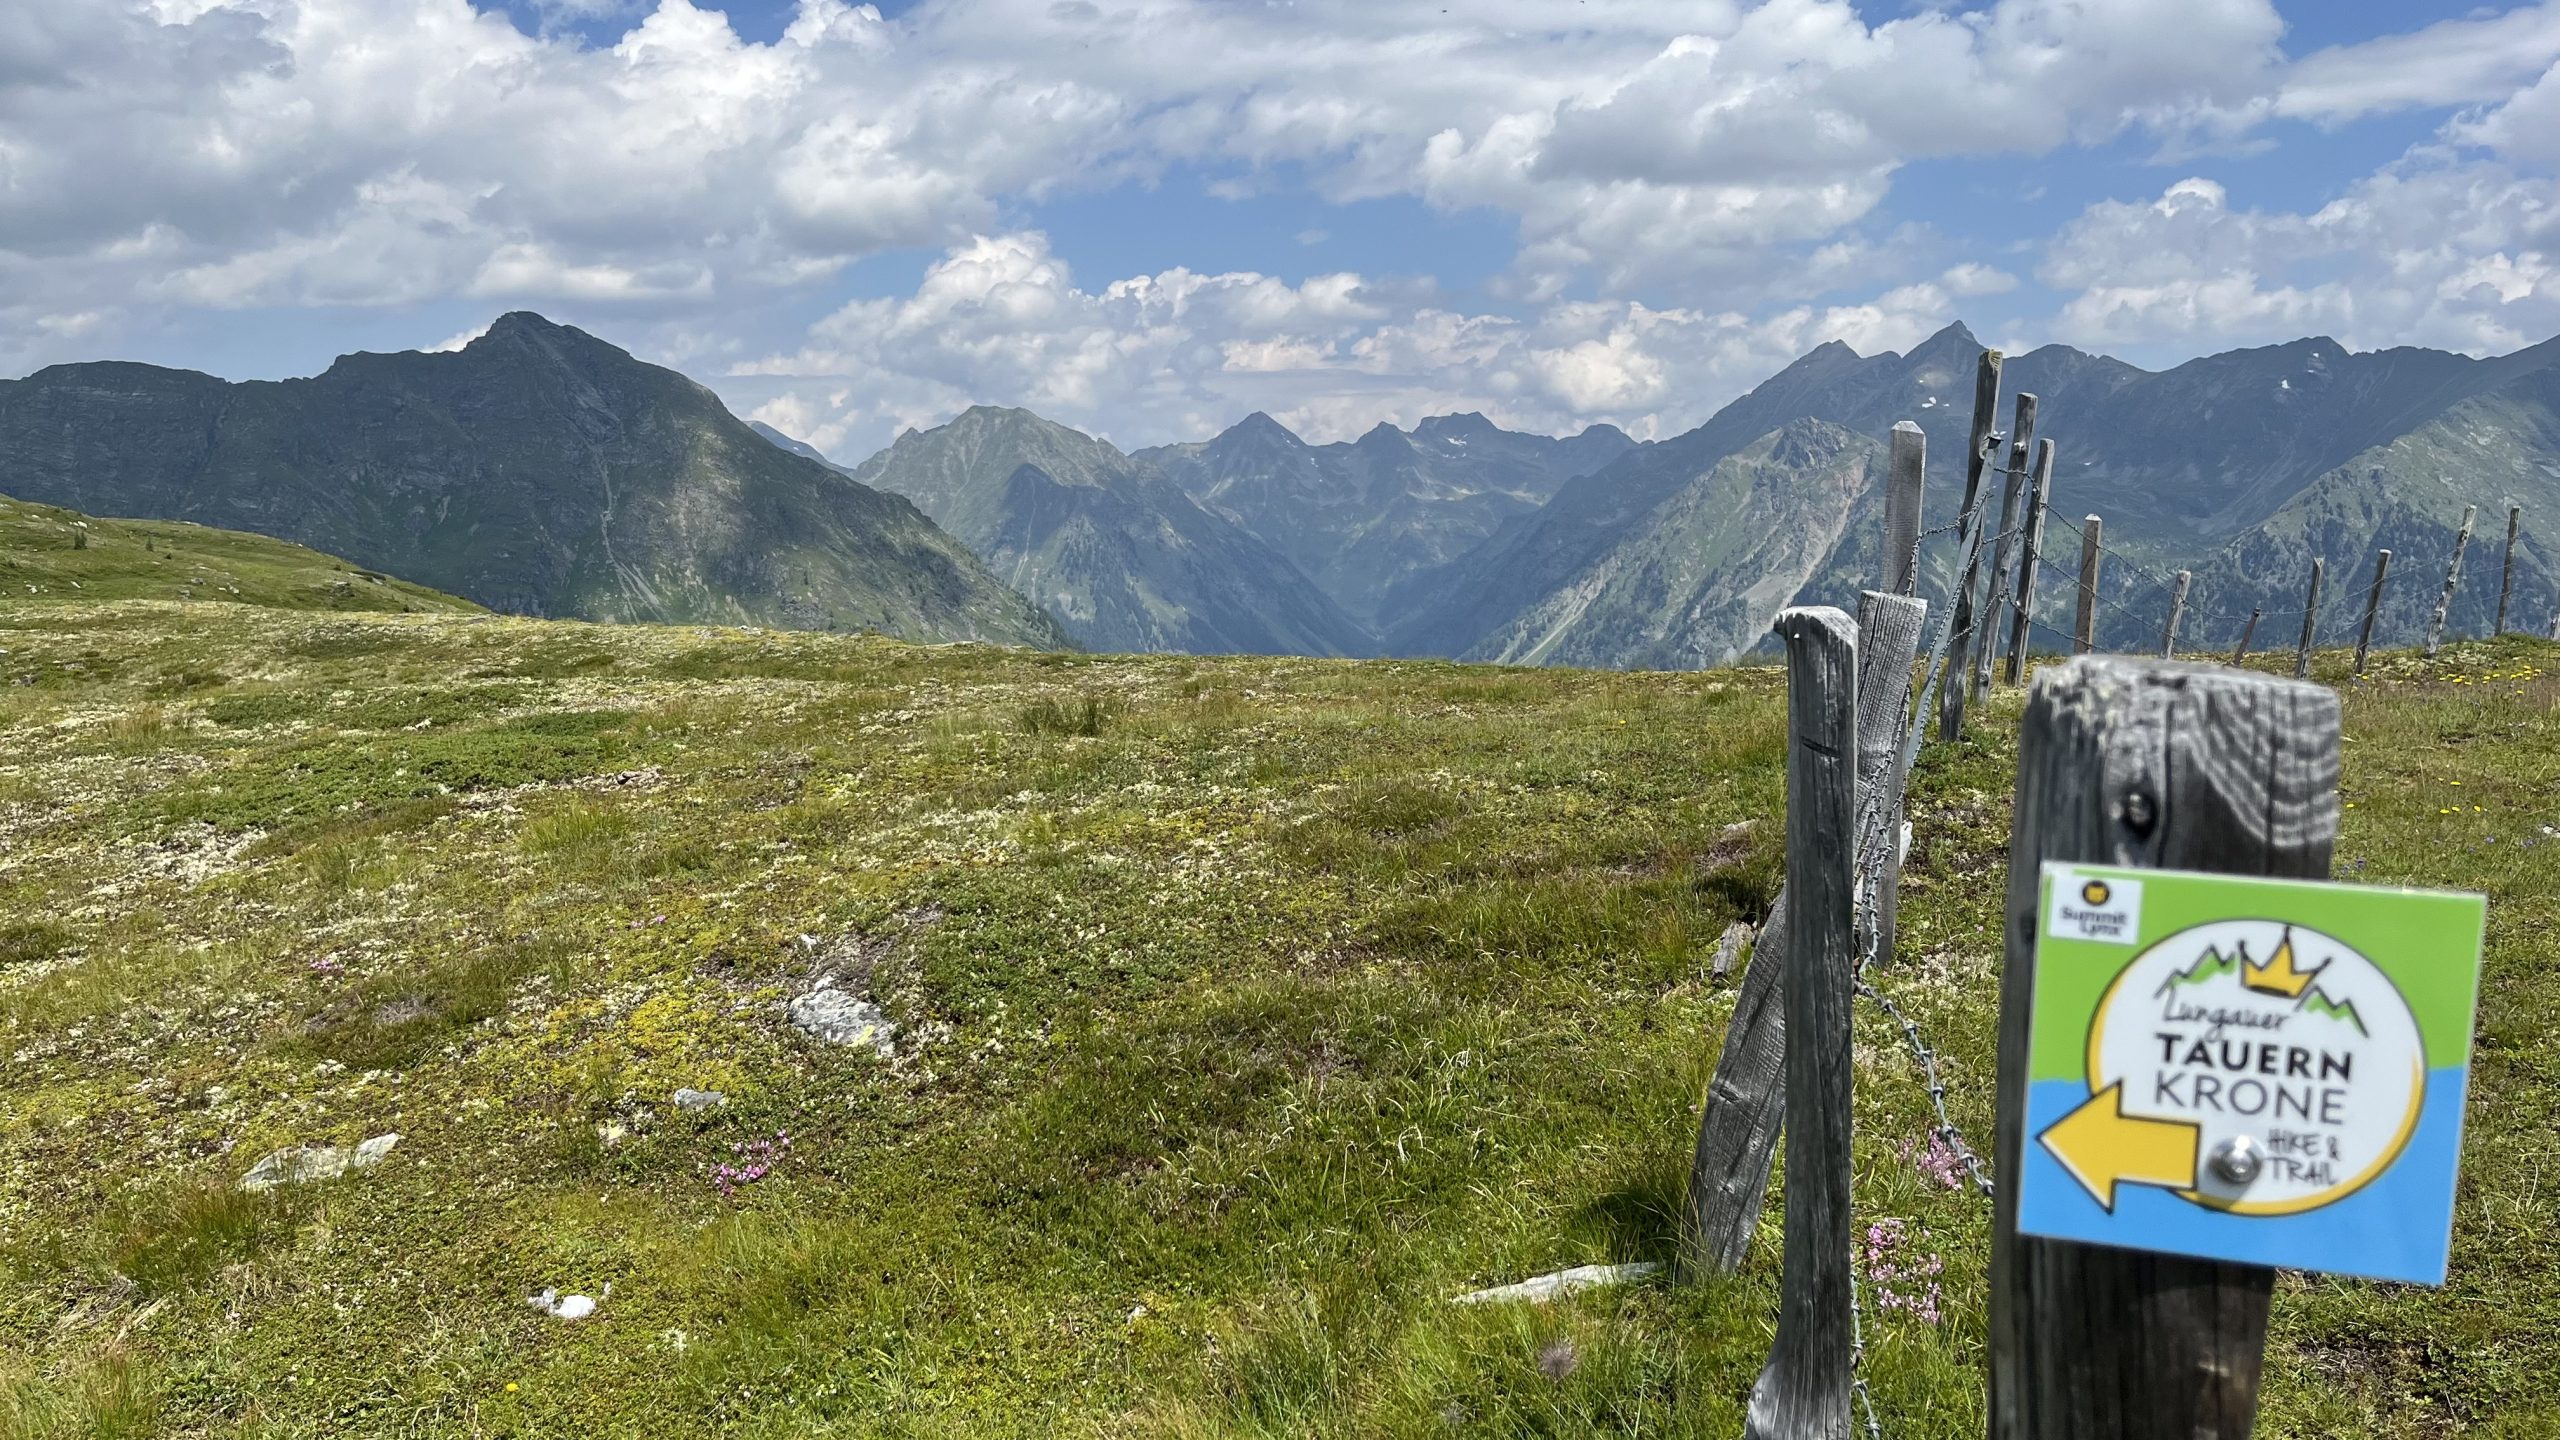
x=2103, y=1147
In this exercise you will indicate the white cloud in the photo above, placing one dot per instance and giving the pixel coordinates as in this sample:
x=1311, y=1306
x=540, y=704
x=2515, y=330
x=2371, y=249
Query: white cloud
x=2429, y=251
x=1180, y=355
x=2452, y=62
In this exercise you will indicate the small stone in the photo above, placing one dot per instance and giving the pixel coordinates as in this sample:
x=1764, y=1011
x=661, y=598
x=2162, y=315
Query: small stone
x=691, y=1100
x=303, y=1164
x=1562, y=1282
x=832, y=1016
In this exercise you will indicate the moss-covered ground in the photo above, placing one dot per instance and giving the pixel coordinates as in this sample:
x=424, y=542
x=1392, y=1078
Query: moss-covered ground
x=1249, y=1010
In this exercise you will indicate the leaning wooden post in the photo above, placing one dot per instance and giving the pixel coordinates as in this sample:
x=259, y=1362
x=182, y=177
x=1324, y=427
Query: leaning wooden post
x=1902, y=498
x=2507, y=572
x=2177, y=611
x=2452, y=578
x=2310, y=623
x=2158, y=766
x=1804, y=1389
x=2037, y=496
x=2372, y=606
x=1889, y=629
x=1738, y=1131
x=1986, y=406
x=2013, y=494
x=2084, y=628
x=2240, y=651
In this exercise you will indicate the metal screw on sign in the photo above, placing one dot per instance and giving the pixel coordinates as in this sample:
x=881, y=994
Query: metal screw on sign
x=2236, y=1161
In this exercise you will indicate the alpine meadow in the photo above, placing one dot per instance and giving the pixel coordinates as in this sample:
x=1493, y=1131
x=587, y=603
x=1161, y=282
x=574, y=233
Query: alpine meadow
x=1792, y=719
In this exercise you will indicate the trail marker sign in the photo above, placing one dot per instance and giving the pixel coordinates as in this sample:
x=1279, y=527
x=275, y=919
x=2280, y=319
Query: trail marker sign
x=2265, y=1071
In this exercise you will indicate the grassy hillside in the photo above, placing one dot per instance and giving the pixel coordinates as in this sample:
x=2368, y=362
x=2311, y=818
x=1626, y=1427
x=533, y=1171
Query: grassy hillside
x=51, y=556
x=1248, y=1010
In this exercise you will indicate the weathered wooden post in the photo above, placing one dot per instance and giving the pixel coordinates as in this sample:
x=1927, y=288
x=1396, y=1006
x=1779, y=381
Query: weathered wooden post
x=1738, y=1130
x=2452, y=578
x=1902, y=502
x=2372, y=607
x=1804, y=1390
x=1986, y=407
x=2157, y=766
x=2084, y=628
x=2013, y=494
x=2507, y=572
x=2177, y=612
x=2310, y=622
x=2037, y=497
x=2240, y=651
x=1889, y=629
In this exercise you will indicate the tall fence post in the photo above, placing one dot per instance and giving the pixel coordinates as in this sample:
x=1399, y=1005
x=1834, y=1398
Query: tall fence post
x=1902, y=501
x=1804, y=1389
x=2452, y=578
x=1738, y=1129
x=2310, y=622
x=2248, y=632
x=2084, y=626
x=1986, y=407
x=1889, y=629
x=2013, y=494
x=2372, y=607
x=2507, y=572
x=2156, y=766
x=2037, y=496
x=2177, y=612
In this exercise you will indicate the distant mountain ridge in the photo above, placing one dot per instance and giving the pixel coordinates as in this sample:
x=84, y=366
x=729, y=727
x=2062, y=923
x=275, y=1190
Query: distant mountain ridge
x=1109, y=544
x=537, y=470
x=1362, y=517
x=2241, y=467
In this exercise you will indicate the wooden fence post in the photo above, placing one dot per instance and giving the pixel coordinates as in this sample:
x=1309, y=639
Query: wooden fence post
x=2157, y=766
x=2372, y=607
x=2037, y=497
x=2452, y=577
x=1889, y=629
x=1902, y=502
x=1804, y=1389
x=2084, y=628
x=1986, y=407
x=2240, y=651
x=2507, y=572
x=2310, y=622
x=1738, y=1130
x=2013, y=494
x=2177, y=612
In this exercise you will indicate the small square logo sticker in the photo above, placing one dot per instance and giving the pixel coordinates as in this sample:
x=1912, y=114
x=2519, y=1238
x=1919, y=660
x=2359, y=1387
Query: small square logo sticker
x=2107, y=910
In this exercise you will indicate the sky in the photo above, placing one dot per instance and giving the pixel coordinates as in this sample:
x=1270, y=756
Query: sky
x=1149, y=218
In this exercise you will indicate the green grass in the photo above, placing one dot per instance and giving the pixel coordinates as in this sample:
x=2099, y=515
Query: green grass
x=1249, y=1009
x=53, y=556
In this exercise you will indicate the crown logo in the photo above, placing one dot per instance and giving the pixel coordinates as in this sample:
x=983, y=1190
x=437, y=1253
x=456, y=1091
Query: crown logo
x=2278, y=976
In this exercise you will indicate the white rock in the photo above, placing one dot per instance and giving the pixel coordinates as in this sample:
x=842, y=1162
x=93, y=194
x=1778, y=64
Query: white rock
x=837, y=1018
x=302, y=1164
x=1562, y=1282
x=570, y=1307
x=700, y=1099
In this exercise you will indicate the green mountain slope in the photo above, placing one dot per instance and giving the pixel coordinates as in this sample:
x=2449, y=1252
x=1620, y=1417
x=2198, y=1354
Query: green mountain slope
x=53, y=556
x=1696, y=579
x=1108, y=543
x=538, y=470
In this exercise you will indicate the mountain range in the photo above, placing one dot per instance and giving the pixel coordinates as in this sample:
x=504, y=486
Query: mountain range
x=537, y=470
x=541, y=470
